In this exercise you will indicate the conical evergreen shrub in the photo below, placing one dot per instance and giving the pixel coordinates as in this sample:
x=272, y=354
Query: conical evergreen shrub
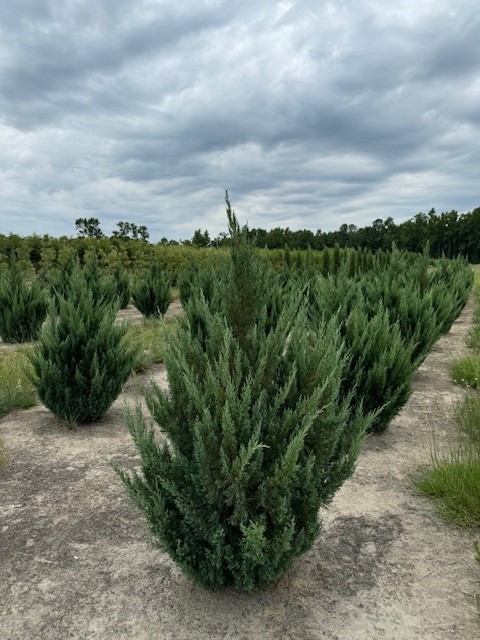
x=257, y=435
x=23, y=307
x=82, y=360
x=152, y=294
x=102, y=287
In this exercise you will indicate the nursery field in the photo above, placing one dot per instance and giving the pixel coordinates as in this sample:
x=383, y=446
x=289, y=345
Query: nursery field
x=268, y=420
x=76, y=559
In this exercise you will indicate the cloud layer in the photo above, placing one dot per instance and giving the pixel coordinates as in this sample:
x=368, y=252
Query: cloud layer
x=312, y=117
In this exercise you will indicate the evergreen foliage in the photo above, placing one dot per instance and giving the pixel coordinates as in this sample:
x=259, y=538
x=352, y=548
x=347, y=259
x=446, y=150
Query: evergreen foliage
x=152, y=294
x=381, y=365
x=389, y=318
x=258, y=434
x=103, y=287
x=82, y=360
x=122, y=283
x=61, y=281
x=192, y=280
x=23, y=307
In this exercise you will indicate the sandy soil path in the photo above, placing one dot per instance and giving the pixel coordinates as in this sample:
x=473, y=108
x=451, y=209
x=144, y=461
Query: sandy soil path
x=76, y=560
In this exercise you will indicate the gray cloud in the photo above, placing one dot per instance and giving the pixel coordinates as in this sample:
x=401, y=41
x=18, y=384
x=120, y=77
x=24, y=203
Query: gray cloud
x=312, y=115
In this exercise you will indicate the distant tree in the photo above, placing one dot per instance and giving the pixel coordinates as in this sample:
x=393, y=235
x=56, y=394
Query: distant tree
x=88, y=228
x=130, y=231
x=201, y=239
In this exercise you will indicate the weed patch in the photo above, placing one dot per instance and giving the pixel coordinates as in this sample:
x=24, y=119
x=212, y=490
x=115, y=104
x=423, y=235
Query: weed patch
x=152, y=337
x=453, y=481
x=16, y=390
x=466, y=371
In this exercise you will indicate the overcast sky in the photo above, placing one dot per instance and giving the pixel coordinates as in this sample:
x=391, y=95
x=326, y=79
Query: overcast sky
x=312, y=114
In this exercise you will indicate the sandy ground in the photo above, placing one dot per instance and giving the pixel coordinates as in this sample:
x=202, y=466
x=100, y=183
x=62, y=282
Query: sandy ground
x=76, y=559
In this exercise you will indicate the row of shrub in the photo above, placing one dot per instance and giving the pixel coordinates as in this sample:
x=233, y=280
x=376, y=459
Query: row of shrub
x=47, y=255
x=24, y=305
x=273, y=382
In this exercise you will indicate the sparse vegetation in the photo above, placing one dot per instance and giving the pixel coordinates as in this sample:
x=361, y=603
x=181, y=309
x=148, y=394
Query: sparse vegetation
x=453, y=477
x=152, y=338
x=3, y=455
x=16, y=389
x=468, y=416
x=453, y=481
x=466, y=371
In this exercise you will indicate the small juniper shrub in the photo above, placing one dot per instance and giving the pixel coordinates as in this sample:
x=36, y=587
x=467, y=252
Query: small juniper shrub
x=258, y=436
x=152, y=293
x=23, y=307
x=337, y=259
x=82, y=359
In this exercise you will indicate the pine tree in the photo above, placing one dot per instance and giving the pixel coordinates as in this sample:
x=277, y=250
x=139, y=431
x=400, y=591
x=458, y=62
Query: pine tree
x=23, y=307
x=82, y=360
x=258, y=438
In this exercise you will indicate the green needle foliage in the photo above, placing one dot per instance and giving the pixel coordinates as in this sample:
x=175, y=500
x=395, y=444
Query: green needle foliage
x=386, y=348
x=23, y=307
x=104, y=288
x=256, y=434
x=381, y=366
x=152, y=294
x=122, y=283
x=82, y=360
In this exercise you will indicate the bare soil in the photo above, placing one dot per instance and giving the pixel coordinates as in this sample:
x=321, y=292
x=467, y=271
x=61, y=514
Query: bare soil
x=76, y=559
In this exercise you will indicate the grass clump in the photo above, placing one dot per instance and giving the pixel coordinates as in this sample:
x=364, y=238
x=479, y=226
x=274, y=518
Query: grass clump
x=466, y=371
x=473, y=339
x=16, y=389
x=468, y=416
x=453, y=481
x=151, y=336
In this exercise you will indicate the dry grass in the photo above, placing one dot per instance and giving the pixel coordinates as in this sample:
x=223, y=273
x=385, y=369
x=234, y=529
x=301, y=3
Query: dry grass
x=16, y=390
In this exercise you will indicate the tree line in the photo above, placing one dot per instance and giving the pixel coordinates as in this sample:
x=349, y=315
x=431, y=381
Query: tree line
x=448, y=234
